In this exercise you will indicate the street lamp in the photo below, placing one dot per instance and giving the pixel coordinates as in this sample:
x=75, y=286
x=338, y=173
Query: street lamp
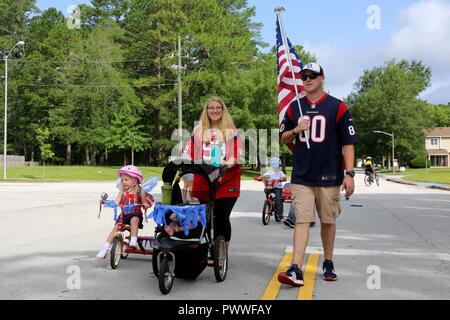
x=391, y=135
x=5, y=128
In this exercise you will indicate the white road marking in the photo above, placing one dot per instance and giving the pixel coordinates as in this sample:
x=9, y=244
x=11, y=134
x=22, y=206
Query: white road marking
x=364, y=252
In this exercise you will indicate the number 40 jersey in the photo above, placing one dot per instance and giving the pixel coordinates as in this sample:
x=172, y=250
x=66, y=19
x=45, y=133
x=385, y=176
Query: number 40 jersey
x=331, y=127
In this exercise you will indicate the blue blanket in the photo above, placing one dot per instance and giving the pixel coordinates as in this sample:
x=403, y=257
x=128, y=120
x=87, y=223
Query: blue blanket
x=185, y=215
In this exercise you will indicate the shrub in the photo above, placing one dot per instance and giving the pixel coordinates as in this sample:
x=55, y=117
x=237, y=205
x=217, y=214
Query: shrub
x=419, y=162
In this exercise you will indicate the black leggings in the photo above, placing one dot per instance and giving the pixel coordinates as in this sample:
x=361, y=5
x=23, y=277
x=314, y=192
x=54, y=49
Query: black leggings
x=222, y=211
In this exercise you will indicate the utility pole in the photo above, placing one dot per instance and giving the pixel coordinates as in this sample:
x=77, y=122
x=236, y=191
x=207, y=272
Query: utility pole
x=393, y=148
x=5, y=128
x=180, y=96
x=393, y=153
x=5, y=148
x=132, y=148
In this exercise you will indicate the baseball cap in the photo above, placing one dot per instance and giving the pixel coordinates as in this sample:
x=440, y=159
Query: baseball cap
x=314, y=67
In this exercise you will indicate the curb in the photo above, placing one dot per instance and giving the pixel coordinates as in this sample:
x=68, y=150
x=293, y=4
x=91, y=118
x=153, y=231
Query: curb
x=445, y=188
x=440, y=187
x=402, y=182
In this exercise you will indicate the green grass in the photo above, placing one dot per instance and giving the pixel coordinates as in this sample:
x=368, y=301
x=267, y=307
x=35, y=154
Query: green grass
x=88, y=173
x=436, y=175
x=72, y=173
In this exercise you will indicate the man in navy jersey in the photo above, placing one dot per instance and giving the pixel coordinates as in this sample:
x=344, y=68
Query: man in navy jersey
x=319, y=171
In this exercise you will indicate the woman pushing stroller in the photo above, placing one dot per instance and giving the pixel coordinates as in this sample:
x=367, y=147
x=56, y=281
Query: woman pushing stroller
x=217, y=140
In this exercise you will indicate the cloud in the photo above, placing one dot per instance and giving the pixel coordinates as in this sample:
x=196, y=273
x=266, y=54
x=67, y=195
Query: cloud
x=343, y=65
x=424, y=34
x=438, y=93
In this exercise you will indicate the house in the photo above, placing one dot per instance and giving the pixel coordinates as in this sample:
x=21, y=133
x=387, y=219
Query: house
x=437, y=144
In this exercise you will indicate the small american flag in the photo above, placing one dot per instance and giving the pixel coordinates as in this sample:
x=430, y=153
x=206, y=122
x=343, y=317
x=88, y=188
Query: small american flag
x=286, y=89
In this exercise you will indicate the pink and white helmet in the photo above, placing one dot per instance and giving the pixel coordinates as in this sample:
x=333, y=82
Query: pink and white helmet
x=132, y=171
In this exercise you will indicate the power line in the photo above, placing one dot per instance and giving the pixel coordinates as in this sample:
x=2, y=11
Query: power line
x=81, y=61
x=89, y=86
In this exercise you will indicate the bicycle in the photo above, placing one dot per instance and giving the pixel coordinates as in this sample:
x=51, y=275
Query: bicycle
x=269, y=208
x=120, y=248
x=370, y=178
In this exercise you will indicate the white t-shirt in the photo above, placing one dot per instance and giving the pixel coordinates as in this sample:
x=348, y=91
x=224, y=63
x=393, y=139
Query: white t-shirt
x=275, y=175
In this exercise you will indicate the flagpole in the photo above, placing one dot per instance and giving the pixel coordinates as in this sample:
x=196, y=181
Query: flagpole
x=278, y=11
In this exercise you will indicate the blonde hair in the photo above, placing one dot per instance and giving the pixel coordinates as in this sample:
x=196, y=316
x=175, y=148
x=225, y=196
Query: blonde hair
x=226, y=124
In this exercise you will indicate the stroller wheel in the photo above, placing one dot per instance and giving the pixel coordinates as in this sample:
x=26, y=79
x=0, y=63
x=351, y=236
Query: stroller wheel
x=155, y=262
x=116, y=252
x=220, y=257
x=166, y=275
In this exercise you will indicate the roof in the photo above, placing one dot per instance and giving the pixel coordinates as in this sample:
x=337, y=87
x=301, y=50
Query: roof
x=438, y=132
x=437, y=152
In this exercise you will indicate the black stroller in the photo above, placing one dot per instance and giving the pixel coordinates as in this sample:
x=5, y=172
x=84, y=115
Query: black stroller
x=185, y=255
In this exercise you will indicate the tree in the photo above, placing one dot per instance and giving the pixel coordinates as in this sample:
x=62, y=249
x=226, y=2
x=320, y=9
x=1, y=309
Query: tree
x=101, y=10
x=119, y=66
x=42, y=137
x=47, y=42
x=437, y=115
x=126, y=137
x=386, y=99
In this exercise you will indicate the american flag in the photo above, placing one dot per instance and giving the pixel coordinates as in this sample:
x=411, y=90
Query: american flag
x=286, y=88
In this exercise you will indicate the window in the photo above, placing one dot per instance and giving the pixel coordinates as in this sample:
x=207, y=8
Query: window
x=434, y=142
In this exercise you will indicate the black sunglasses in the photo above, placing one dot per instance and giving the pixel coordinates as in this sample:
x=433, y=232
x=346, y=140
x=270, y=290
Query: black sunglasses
x=312, y=76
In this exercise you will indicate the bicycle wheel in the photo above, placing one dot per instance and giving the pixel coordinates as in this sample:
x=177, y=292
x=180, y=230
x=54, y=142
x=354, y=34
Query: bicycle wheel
x=116, y=252
x=377, y=180
x=124, y=253
x=367, y=180
x=166, y=276
x=220, y=258
x=267, y=210
x=278, y=216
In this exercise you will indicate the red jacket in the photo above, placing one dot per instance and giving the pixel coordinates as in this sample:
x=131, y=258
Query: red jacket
x=231, y=181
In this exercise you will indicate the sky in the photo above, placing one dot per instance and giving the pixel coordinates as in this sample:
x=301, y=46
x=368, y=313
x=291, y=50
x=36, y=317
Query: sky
x=350, y=36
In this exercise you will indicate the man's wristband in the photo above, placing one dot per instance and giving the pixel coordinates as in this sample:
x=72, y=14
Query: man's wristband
x=350, y=173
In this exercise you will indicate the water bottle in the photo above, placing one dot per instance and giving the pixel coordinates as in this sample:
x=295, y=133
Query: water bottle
x=216, y=152
x=166, y=190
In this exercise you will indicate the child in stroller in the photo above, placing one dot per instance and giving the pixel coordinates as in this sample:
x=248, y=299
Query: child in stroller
x=173, y=227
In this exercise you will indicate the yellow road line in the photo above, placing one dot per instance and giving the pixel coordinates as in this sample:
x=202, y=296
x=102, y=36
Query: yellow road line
x=306, y=292
x=274, y=285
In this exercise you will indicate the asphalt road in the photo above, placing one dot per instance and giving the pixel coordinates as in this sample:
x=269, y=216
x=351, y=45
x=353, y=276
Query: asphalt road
x=393, y=242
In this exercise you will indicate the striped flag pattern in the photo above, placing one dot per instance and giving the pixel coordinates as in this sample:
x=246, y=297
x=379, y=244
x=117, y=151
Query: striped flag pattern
x=285, y=79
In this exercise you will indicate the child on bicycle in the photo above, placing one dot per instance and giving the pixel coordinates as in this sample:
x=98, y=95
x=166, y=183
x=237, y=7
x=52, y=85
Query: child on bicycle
x=131, y=193
x=275, y=173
